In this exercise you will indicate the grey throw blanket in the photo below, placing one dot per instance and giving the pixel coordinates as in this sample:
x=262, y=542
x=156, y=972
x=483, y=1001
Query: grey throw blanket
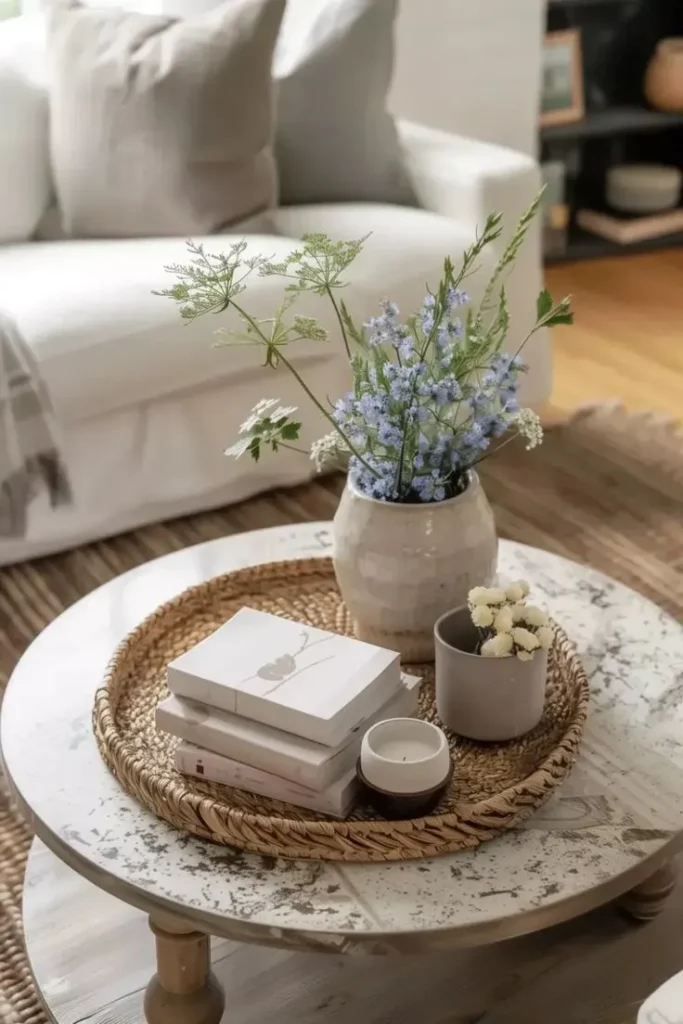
x=29, y=453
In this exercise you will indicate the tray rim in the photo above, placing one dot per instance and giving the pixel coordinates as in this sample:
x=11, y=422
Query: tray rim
x=414, y=838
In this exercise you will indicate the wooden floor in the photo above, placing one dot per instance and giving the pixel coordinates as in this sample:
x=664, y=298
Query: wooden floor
x=627, y=339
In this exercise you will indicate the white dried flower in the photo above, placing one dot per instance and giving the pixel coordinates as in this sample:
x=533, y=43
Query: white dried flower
x=535, y=616
x=482, y=616
x=517, y=591
x=525, y=639
x=498, y=646
x=517, y=612
x=524, y=655
x=326, y=449
x=486, y=595
x=503, y=621
x=529, y=426
x=545, y=637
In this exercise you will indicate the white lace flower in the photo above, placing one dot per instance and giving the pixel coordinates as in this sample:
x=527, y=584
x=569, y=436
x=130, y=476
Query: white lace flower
x=545, y=637
x=265, y=409
x=503, y=621
x=482, y=616
x=535, y=616
x=529, y=426
x=327, y=449
x=498, y=646
x=238, y=448
x=525, y=639
x=524, y=655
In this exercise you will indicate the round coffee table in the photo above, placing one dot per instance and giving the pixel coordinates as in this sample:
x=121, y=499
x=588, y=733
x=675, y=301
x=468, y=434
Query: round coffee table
x=609, y=832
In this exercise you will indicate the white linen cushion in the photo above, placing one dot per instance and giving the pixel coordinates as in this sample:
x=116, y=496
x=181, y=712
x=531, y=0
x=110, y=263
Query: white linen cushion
x=24, y=144
x=104, y=341
x=333, y=64
x=336, y=141
x=162, y=126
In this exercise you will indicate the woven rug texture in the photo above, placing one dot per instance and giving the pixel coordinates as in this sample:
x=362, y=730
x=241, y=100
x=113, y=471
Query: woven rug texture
x=605, y=489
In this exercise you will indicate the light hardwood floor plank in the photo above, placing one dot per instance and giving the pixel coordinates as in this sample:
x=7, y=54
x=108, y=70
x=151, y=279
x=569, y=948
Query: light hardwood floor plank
x=627, y=339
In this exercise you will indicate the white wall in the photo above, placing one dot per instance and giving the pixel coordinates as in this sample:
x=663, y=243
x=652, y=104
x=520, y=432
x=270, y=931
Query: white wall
x=471, y=66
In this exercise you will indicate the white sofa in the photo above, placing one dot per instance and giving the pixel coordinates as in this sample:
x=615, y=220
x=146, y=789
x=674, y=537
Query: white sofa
x=147, y=405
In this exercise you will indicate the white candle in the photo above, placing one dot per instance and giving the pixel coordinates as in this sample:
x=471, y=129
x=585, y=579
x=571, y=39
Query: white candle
x=404, y=750
x=404, y=755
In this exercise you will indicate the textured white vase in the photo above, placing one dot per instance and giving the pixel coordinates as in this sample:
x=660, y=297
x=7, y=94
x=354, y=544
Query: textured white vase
x=400, y=567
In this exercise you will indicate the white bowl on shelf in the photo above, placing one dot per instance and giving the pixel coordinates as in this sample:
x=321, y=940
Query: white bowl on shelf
x=643, y=188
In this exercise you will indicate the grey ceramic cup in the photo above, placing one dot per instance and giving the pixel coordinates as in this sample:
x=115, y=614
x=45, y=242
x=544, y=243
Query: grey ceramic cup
x=484, y=698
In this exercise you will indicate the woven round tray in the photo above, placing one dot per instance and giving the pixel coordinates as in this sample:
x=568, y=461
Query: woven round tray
x=494, y=786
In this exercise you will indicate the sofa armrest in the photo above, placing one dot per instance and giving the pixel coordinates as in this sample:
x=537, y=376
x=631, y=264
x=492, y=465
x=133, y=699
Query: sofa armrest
x=467, y=180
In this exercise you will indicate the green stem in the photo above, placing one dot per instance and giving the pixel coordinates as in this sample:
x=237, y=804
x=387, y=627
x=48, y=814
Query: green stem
x=304, y=386
x=494, y=451
x=292, y=448
x=339, y=319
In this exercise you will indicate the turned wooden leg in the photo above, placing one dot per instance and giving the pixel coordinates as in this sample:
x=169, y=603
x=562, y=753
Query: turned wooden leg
x=184, y=990
x=647, y=899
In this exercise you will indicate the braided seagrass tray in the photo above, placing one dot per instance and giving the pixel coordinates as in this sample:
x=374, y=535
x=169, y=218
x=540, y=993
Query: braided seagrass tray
x=494, y=786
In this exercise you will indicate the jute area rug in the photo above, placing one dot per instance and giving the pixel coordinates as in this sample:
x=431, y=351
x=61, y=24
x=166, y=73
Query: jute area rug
x=605, y=488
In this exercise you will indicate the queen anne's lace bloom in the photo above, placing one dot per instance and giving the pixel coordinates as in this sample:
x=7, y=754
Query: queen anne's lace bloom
x=529, y=426
x=328, y=448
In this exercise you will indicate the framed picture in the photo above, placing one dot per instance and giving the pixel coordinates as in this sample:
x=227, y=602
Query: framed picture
x=562, y=78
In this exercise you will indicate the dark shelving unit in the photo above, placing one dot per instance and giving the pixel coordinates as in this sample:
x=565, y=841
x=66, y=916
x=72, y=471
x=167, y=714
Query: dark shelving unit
x=557, y=4
x=618, y=38
x=616, y=120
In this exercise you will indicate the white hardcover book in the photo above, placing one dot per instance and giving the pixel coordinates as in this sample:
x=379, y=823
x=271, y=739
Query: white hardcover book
x=294, y=677
x=337, y=800
x=310, y=764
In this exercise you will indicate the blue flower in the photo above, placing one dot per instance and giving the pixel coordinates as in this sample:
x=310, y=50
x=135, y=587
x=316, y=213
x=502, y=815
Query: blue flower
x=389, y=435
x=455, y=298
x=494, y=425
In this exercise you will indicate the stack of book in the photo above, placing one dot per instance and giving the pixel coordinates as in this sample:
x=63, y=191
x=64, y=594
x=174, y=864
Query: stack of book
x=279, y=708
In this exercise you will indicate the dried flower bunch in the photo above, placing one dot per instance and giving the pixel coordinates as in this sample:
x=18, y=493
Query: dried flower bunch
x=507, y=625
x=432, y=393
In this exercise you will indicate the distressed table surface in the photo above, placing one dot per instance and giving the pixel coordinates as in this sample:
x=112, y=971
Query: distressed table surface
x=616, y=820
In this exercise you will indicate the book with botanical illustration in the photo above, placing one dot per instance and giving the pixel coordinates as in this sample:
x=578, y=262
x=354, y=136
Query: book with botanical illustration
x=289, y=675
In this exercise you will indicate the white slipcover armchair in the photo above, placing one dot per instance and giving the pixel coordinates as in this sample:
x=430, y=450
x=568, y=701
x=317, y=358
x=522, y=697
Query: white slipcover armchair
x=147, y=405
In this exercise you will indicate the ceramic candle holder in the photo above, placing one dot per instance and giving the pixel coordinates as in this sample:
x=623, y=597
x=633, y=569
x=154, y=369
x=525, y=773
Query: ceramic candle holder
x=404, y=767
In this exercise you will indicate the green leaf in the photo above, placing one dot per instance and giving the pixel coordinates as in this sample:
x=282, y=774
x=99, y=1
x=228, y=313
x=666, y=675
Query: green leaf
x=562, y=317
x=254, y=449
x=290, y=431
x=544, y=304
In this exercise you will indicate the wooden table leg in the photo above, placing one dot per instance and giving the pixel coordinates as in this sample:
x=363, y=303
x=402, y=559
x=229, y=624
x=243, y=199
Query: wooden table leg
x=647, y=899
x=184, y=990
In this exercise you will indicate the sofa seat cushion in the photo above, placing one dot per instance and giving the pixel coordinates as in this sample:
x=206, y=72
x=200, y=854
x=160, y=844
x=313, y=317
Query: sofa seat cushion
x=104, y=341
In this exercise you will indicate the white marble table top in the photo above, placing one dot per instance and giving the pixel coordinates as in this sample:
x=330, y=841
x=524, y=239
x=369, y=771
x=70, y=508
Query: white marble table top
x=611, y=825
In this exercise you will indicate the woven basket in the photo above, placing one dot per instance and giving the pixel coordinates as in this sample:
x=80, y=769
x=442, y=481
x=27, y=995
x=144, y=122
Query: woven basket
x=494, y=787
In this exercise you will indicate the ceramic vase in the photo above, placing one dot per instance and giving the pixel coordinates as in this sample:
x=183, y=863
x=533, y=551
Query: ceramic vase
x=485, y=699
x=401, y=566
x=664, y=76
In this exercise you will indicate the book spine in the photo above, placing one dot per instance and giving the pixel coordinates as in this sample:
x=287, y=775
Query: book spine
x=336, y=801
x=206, y=734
